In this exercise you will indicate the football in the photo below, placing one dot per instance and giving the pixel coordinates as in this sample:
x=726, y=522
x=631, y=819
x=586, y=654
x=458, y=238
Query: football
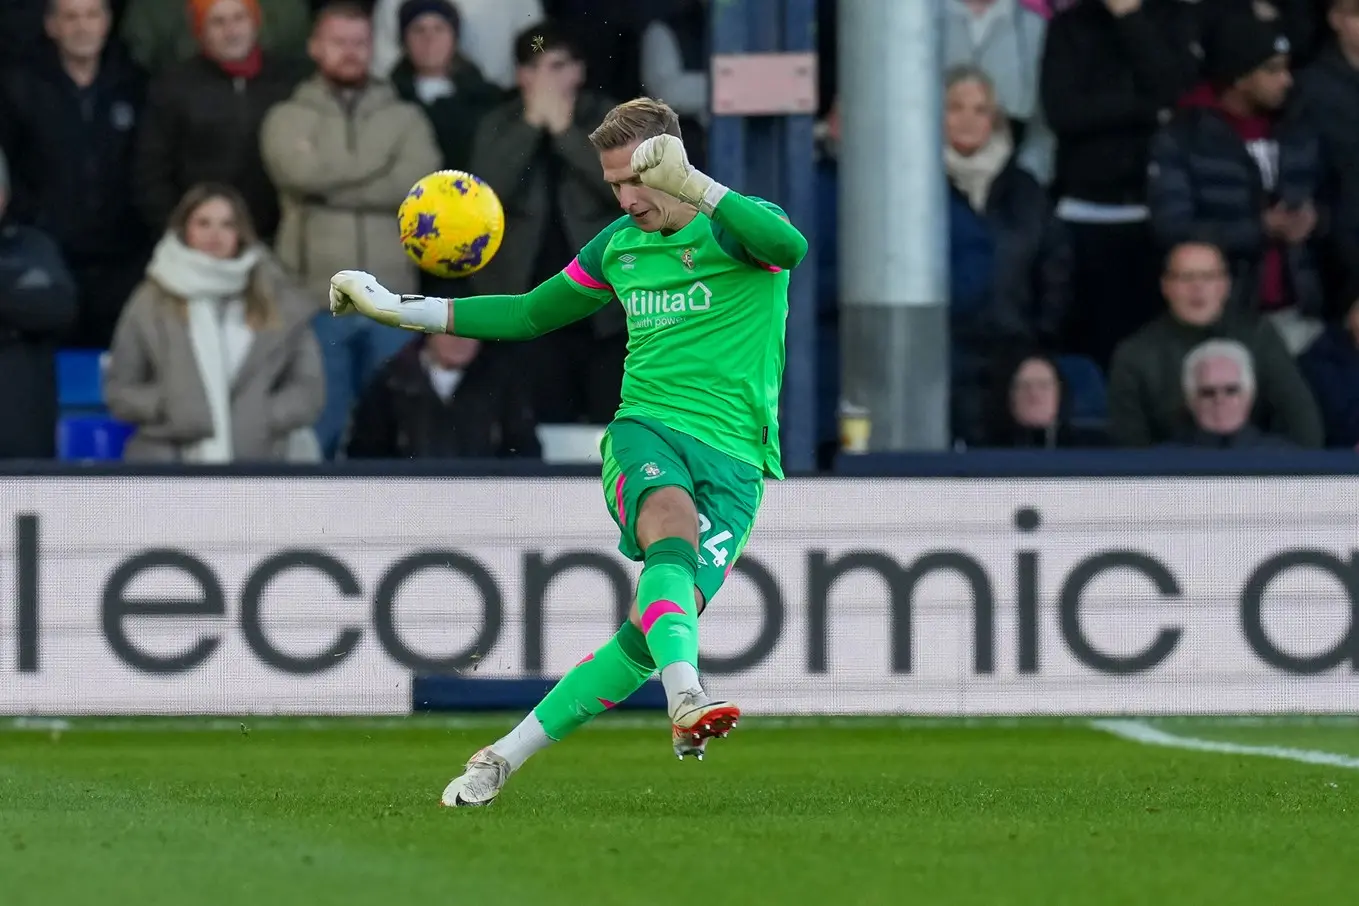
x=451, y=223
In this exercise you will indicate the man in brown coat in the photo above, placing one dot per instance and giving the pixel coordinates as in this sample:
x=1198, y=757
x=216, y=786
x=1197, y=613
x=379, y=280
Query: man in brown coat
x=344, y=151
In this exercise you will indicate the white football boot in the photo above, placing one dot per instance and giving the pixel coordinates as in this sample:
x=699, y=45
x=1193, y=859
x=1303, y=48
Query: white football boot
x=695, y=720
x=480, y=782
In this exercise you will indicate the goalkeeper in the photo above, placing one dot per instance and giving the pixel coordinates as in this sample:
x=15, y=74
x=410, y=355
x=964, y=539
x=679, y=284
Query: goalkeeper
x=702, y=273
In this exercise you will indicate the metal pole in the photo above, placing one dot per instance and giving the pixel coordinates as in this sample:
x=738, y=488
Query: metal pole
x=894, y=223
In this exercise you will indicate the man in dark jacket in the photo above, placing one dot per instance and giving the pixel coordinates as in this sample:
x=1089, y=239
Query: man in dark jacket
x=444, y=397
x=203, y=119
x=67, y=122
x=1328, y=97
x=535, y=152
x=37, y=304
x=1146, y=399
x=448, y=87
x=1234, y=170
x=1113, y=71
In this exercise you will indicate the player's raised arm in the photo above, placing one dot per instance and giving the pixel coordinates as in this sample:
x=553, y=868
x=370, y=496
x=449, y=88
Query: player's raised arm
x=661, y=163
x=552, y=304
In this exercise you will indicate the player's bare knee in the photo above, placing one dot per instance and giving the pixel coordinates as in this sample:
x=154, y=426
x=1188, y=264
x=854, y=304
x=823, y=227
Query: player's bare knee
x=667, y=513
x=699, y=603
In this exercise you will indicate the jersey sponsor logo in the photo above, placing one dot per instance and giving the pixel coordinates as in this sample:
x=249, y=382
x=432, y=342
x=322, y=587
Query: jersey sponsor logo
x=660, y=308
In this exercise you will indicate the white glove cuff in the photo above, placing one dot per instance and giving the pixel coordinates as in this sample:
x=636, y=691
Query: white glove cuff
x=711, y=197
x=424, y=313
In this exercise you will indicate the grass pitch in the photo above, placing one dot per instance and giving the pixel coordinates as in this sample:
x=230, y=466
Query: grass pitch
x=840, y=812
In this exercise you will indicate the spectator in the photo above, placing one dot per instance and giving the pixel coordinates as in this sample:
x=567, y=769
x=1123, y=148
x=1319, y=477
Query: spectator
x=444, y=397
x=448, y=87
x=1146, y=405
x=160, y=32
x=214, y=360
x=486, y=36
x=674, y=64
x=1009, y=261
x=67, y=122
x=1112, y=71
x=37, y=304
x=1031, y=408
x=203, y=119
x=1233, y=170
x=1219, y=390
x=1328, y=97
x=344, y=151
x=1005, y=40
x=1331, y=366
x=535, y=152
x=434, y=74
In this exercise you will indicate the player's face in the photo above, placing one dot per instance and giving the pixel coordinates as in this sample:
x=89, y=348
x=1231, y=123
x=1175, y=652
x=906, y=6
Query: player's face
x=79, y=27
x=212, y=229
x=228, y=31
x=342, y=47
x=647, y=207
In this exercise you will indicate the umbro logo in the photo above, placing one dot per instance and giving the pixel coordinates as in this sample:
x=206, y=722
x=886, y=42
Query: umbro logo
x=629, y=261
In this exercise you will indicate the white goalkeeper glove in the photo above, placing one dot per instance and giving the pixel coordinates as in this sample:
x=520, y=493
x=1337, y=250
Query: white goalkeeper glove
x=661, y=163
x=355, y=291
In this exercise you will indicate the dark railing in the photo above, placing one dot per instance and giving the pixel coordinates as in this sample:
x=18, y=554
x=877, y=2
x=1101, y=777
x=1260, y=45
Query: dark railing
x=1151, y=463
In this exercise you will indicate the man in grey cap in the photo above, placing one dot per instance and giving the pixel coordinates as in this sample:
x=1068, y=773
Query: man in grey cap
x=37, y=304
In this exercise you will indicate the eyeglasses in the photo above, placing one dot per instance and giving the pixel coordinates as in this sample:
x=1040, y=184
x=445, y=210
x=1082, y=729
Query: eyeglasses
x=1212, y=392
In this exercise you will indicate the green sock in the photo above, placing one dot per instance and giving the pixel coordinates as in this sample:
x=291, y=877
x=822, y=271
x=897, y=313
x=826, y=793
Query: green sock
x=665, y=596
x=597, y=683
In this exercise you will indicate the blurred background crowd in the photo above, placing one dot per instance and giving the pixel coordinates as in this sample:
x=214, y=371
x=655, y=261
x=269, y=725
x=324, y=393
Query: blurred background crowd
x=1153, y=219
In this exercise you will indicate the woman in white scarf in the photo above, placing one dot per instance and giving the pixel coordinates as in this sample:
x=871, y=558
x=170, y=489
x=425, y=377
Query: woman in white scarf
x=213, y=358
x=1009, y=258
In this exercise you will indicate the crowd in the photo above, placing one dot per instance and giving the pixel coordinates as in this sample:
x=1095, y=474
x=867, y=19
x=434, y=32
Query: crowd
x=1153, y=203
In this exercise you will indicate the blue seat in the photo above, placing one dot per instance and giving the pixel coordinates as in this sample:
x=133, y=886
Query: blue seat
x=87, y=438
x=80, y=380
x=1087, y=392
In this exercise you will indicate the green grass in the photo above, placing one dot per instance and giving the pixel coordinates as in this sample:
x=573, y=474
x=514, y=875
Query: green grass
x=1042, y=812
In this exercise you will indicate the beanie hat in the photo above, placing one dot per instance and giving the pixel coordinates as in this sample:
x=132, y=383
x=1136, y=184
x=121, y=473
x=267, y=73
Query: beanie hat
x=1239, y=44
x=199, y=9
x=414, y=9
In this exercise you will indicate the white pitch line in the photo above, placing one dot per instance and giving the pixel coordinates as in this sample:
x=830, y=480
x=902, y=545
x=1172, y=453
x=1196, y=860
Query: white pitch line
x=1137, y=731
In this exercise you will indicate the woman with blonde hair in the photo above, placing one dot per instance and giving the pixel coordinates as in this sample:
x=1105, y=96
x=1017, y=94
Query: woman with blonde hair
x=214, y=359
x=1009, y=258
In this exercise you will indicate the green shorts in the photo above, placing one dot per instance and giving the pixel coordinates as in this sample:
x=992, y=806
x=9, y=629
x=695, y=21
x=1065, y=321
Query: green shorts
x=641, y=455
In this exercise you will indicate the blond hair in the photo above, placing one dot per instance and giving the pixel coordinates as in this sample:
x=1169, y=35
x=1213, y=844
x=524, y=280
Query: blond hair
x=635, y=121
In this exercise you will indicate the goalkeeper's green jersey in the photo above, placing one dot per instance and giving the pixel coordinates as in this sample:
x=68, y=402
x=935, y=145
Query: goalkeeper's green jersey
x=706, y=326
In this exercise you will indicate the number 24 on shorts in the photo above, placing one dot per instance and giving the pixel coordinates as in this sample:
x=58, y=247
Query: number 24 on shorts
x=719, y=554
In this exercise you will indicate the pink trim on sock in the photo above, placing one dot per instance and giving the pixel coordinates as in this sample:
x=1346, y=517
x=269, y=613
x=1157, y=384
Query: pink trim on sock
x=618, y=500
x=587, y=658
x=657, y=609
x=578, y=274
x=606, y=703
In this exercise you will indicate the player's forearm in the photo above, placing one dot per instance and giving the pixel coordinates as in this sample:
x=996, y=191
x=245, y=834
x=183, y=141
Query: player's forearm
x=548, y=306
x=767, y=236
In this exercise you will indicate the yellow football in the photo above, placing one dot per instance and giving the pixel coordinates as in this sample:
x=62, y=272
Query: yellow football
x=451, y=223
